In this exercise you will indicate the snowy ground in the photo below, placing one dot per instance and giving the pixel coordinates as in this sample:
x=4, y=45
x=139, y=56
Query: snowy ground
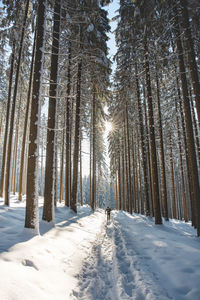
x=83, y=258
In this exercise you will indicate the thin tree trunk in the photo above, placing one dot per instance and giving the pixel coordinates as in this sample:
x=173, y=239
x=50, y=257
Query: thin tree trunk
x=162, y=155
x=81, y=186
x=174, y=214
x=76, y=141
x=13, y=185
x=195, y=131
x=123, y=181
x=143, y=148
x=119, y=183
x=129, y=162
x=48, y=208
x=12, y=118
x=68, y=152
x=7, y=120
x=61, y=168
x=32, y=212
x=26, y=125
x=155, y=185
x=181, y=165
x=94, y=150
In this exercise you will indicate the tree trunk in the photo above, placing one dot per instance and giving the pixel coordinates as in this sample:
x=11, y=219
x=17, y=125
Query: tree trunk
x=76, y=140
x=174, y=214
x=68, y=152
x=81, y=186
x=61, y=168
x=162, y=155
x=32, y=213
x=181, y=165
x=189, y=130
x=119, y=183
x=143, y=148
x=23, y=146
x=12, y=118
x=7, y=120
x=94, y=149
x=154, y=170
x=48, y=208
x=191, y=55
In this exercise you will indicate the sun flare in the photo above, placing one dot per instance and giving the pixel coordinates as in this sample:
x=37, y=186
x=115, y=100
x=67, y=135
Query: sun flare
x=108, y=127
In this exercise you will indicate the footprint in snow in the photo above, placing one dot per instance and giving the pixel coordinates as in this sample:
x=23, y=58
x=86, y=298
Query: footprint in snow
x=29, y=263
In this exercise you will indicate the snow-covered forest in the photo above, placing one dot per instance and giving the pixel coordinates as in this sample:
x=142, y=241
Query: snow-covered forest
x=66, y=104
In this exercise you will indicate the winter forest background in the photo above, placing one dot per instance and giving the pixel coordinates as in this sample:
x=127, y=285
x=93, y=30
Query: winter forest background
x=99, y=106
x=58, y=95
x=58, y=98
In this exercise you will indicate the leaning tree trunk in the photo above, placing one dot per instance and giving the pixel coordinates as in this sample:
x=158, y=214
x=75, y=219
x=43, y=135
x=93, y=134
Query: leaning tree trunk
x=154, y=169
x=12, y=117
x=7, y=120
x=48, y=209
x=32, y=212
x=189, y=129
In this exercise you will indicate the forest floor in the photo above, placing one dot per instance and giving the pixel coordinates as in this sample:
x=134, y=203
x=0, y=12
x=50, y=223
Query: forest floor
x=82, y=257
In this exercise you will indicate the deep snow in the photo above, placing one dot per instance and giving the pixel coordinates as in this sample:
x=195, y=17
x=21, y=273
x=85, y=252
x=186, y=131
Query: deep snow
x=84, y=258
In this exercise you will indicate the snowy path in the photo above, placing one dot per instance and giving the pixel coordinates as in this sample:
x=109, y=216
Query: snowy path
x=114, y=270
x=81, y=257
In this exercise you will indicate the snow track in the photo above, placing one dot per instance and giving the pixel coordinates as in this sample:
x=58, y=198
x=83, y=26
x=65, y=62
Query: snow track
x=96, y=279
x=114, y=270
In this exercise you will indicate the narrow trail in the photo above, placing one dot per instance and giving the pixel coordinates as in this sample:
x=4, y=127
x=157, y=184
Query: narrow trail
x=114, y=270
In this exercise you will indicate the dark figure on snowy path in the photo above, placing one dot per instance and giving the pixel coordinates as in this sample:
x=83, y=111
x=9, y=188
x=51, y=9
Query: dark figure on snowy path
x=107, y=211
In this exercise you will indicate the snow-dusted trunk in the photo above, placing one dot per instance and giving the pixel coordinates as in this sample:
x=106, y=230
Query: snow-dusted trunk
x=7, y=120
x=196, y=134
x=189, y=128
x=181, y=165
x=23, y=146
x=81, y=185
x=189, y=184
x=129, y=163
x=68, y=141
x=48, y=209
x=143, y=148
x=94, y=149
x=62, y=168
x=134, y=175
x=162, y=155
x=12, y=117
x=174, y=212
x=123, y=178
x=126, y=167
x=119, y=181
x=154, y=169
x=148, y=154
x=15, y=152
x=76, y=141
x=191, y=55
x=32, y=213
